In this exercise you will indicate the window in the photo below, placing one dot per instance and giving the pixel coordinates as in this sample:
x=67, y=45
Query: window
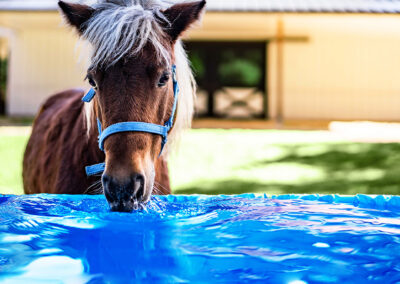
x=230, y=77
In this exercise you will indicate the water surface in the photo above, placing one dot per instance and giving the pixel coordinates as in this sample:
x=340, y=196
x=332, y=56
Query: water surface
x=285, y=239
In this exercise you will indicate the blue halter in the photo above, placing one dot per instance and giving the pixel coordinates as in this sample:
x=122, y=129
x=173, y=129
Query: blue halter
x=134, y=126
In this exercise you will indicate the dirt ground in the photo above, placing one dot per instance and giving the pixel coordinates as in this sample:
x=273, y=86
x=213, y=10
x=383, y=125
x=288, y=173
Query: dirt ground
x=15, y=130
x=356, y=131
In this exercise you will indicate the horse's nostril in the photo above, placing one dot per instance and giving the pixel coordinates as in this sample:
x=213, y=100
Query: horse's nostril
x=105, y=179
x=111, y=188
x=124, y=195
x=138, y=185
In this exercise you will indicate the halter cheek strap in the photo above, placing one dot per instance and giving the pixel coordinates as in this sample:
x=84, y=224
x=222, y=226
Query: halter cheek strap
x=132, y=126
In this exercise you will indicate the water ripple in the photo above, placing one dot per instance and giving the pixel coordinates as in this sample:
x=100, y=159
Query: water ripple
x=309, y=239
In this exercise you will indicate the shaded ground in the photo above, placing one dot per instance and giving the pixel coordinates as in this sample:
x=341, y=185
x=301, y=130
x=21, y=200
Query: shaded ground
x=15, y=121
x=344, y=168
x=271, y=161
x=279, y=162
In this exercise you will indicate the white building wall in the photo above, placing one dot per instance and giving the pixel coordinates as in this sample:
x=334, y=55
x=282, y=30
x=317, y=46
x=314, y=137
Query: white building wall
x=41, y=64
x=335, y=66
x=348, y=69
x=43, y=60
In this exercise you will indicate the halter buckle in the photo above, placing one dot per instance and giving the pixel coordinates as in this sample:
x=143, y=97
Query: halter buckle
x=89, y=96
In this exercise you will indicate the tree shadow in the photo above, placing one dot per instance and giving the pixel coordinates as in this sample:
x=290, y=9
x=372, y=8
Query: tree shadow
x=345, y=167
x=343, y=156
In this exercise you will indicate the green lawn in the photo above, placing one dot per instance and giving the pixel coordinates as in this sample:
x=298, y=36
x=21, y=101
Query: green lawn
x=11, y=152
x=275, y=162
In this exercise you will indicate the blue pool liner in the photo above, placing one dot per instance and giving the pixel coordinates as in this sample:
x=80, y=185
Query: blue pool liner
x=247, y=238
x=386, y=202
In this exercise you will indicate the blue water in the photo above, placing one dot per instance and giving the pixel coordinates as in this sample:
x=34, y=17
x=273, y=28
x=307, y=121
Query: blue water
x=285, y=239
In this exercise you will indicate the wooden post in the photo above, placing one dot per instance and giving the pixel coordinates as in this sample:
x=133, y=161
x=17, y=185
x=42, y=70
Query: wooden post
x=279, y=71
x=3, y=76
x=266, y=81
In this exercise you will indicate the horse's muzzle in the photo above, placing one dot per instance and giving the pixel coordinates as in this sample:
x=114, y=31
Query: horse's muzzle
x=124, y=196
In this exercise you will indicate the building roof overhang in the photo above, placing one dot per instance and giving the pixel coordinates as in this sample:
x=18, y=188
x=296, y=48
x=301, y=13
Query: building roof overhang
x=267, y=6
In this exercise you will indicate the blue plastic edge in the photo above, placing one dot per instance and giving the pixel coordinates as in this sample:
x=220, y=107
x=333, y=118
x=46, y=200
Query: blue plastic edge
x=381, y=202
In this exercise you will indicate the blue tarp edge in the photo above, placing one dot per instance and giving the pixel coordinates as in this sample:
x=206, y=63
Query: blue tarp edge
x=381, y=202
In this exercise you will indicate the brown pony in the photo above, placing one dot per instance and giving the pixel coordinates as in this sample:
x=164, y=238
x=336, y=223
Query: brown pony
x=134, y=44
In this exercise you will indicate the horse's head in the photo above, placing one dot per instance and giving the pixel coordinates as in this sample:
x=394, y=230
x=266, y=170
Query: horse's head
x=135, y=46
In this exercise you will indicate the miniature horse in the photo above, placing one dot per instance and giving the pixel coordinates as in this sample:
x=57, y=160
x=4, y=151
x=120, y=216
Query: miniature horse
x=135, y=46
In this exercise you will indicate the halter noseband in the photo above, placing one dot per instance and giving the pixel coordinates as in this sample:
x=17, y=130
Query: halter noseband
x=132, y=126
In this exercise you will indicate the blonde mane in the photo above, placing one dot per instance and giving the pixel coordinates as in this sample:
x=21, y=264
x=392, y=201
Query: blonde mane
x=122, y=28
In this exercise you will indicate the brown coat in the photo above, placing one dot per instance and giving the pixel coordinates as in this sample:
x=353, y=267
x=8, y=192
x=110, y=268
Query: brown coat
x=59, y=149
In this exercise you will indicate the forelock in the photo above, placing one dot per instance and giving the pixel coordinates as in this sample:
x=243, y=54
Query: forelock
x=122, y=28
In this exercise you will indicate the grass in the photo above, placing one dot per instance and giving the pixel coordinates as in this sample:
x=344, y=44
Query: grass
x=275, y=162
x=11, y=153
x=17, y=121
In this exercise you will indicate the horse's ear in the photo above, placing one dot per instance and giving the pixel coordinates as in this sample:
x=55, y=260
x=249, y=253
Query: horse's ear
x=181, y=16
x=76, y=14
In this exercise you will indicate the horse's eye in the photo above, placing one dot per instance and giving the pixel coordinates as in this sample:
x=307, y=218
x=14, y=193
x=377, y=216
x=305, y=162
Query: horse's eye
x=163, y=80
x=92, y=82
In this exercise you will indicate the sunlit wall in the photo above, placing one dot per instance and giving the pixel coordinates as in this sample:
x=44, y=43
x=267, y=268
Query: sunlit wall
x=328, y=66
